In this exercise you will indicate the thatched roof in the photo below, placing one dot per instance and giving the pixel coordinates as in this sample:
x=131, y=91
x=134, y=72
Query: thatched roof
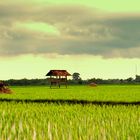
x=58, y=73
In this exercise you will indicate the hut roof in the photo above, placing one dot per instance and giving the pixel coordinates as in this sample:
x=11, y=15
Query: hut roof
x=58, y=73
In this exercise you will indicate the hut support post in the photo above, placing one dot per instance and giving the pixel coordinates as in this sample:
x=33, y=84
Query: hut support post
x=50, y=82
x=66, y=81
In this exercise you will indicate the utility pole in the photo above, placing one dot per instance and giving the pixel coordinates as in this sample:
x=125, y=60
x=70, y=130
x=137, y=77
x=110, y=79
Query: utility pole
x=136, y=69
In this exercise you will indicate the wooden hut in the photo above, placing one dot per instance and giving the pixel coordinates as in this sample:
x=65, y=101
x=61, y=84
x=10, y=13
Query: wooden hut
x=58, y=77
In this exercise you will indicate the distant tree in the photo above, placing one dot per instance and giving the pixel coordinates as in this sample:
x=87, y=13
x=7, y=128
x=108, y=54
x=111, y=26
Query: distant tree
x=137, y=79
x=129, y=80
x=76, y=76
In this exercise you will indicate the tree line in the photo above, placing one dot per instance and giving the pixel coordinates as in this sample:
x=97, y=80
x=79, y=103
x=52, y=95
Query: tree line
x=76, y=80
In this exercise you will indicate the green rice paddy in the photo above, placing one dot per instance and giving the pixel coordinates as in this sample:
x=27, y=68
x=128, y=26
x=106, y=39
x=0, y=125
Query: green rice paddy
x=100, y=93
x=75, y=121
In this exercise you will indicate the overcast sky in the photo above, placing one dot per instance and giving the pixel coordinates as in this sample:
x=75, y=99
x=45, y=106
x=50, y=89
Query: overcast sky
x=99, y=38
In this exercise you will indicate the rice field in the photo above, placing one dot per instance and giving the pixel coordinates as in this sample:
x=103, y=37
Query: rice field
x=100, y=93
x=64, y=121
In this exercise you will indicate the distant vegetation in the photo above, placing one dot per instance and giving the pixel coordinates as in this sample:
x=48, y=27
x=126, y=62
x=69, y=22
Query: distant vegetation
x=74, y=81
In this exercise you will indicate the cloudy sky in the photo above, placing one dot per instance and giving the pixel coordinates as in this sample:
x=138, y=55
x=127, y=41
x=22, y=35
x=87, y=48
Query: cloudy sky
x=99, y=38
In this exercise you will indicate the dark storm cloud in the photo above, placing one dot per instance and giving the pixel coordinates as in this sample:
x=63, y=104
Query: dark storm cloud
x=82, y=31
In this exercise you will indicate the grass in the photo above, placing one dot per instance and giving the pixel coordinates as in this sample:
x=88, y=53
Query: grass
x=56, y=121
